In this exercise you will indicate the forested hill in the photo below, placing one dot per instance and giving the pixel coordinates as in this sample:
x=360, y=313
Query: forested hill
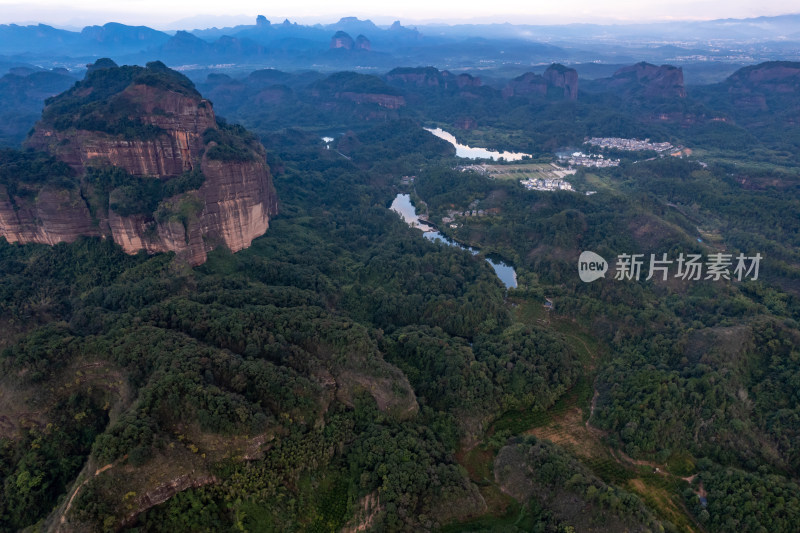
x=265, y=376
x=135, y=154
x=346, y=373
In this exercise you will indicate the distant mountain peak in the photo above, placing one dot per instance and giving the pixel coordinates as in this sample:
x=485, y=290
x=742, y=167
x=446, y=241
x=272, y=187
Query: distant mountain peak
x=103, y=62
x=362, y=43
x=343, y=40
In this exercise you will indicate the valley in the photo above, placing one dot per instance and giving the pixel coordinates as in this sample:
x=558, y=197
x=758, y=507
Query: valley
x=252, y=299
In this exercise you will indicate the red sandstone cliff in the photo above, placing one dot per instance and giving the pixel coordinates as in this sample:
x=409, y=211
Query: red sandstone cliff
x=529, y=84
x=183, y=118
x=231, y=208
x=757, y=86
x=55, y=215
x=341, y=40
x=649, y=81
x=563, y=78
x=773, y=76
x=557, y=80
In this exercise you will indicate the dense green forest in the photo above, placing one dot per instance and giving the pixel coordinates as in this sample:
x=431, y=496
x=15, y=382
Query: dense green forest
x=698, y=377
x=242, y=345
x=346, y=372
x=103, y=108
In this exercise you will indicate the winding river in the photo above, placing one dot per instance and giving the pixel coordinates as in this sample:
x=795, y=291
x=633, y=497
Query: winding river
x=402, y=205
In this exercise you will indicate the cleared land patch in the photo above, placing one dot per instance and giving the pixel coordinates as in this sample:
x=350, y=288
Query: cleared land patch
x=523, y=171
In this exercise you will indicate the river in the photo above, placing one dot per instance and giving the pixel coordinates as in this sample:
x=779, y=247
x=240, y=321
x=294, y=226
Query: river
x=402, y=205
x=468, y=152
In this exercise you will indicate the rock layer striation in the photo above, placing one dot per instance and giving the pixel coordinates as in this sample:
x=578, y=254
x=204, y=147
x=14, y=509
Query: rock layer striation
x=232, y=207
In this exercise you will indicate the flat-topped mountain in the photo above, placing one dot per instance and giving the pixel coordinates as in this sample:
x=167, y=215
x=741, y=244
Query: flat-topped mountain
x=358, y=89
x=774, y=76
x=431, y=77
x=150, y=166
x=557, y=81
x=643, y=80
x=766, y=86
x=759, y=97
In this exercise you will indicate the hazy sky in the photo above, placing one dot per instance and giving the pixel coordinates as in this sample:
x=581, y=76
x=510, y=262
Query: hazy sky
x=161, y=13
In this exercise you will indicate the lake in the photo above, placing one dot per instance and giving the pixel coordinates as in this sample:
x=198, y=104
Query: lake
x=402, y=205
x=462, y=150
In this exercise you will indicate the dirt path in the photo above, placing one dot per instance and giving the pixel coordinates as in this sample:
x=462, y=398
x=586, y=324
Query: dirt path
x=567, y=427
x=84, y=482
x=595, y=394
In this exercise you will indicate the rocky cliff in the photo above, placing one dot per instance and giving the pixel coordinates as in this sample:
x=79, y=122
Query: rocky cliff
x=645, y=81
x=362, y=43
x=773, y=85
x=342, y=40
x=362, y=95
x=772, y=76
x=557, y=81
x=58, y=214
x=561, y=77
x=119, y=129
x=529, y=84
x=182, y=118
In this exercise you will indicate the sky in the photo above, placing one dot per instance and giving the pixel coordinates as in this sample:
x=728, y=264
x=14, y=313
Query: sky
x=189, y=14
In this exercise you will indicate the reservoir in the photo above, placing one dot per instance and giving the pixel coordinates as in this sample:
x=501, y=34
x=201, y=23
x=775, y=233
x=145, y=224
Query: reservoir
x=462, y=150
x=402, y=205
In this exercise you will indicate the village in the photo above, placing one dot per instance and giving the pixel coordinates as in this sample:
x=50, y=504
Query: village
x=539, y=184
x=471, y=211
x=579, y=159
x=631, y=145
x=532, y=176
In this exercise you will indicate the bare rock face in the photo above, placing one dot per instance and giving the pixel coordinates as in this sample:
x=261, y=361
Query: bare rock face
x=341, y=39
x=55, y=215
x=563, y=78
x=770, y=85
x=557, y=81
x=183, y=119
x=238, y=200
x=362, y=43
x=772, y=76
x=180, y=134
x=529, y=84
x=649, y=81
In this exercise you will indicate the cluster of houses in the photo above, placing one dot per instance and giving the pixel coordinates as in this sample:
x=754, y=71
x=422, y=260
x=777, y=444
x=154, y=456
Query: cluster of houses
x=589, y=160
x=539, y=184
x=480, y=169
x=619, y=143
x=451, y=215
